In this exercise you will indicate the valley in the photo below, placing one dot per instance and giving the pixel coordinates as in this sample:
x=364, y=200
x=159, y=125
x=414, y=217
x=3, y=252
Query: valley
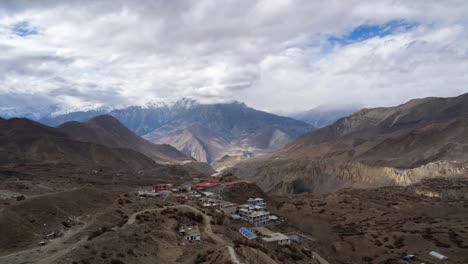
x=206, y=132
x=373, y=187
x=233, y=132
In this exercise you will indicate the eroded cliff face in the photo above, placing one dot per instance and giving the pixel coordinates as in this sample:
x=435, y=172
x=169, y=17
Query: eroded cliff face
x=282, y=176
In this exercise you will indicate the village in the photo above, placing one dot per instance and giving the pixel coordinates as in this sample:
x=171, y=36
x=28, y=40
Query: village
x=253, y=220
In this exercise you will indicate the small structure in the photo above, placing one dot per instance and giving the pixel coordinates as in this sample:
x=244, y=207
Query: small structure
x=164, y=193
x=162, y=187
x=196, y=179
x=207, y=194
x=438, y=255
x=186, y=187
x=145, y=193
x=270, y=236
x=247, y=233
x=182, y=228
x=273, y=218
x=212, y=203
x=192, y=233
x=257, y=202
x=235, y=217
x=280, y=238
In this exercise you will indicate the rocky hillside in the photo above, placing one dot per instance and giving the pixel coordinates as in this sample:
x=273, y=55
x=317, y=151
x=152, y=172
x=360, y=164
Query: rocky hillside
x=372, y=147
x=108, y=131
x=208, y=132
x=23, y=141
x=406, y=136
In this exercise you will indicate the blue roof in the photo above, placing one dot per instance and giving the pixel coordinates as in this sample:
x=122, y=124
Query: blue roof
x=246, y=232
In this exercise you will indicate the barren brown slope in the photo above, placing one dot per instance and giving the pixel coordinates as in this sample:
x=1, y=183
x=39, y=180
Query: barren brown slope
x=372, y=122
x=407, y=136
x=108, y=131
x=194, y=140
x=23, y=141
x=25, y=224
x=373, y=147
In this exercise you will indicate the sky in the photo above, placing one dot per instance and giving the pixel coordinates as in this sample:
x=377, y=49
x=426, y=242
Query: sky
x=275, y=55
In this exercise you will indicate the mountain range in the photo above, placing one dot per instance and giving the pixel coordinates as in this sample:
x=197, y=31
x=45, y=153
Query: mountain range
x=24, y=142
x=99, y=143
x=206, y=132
x=371, y=147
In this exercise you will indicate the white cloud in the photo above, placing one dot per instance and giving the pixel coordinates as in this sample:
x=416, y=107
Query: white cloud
x=272, y=54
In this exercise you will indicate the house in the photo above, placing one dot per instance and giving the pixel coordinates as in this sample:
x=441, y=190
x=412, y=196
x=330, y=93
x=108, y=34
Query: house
x=272, y=237
x=279, y=238
x=186, y=187
x=438, y=255
x=192, y=233
x=145, y=193
x=163, y=187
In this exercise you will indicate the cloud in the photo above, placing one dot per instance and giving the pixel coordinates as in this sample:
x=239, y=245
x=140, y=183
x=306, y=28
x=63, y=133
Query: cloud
x=282, y=55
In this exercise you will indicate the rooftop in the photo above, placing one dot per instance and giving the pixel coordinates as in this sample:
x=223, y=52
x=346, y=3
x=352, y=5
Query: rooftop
x=247, y=233
x=192, y=231
x=275, y=237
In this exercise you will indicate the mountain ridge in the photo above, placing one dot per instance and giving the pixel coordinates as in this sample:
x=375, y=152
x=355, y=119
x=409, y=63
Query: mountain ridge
x=405, y=137
x=108, y=131
x=24, y=141
x=204, y=131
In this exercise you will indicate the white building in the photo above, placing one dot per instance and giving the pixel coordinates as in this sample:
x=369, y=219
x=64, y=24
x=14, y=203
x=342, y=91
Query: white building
x=259, y=202
x=255, y=216
x=146, y=193
x=254, y=212
x=280, y=238
x=192, y=233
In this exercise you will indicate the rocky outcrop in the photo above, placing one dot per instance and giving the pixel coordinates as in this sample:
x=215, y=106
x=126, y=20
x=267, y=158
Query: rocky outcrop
x=285, y=176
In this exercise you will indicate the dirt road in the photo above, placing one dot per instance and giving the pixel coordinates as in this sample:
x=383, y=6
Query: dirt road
x=206, y=220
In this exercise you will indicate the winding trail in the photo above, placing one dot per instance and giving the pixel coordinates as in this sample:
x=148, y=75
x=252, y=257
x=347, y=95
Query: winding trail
x=206, y=220
x=58, y=248
x=58, y=245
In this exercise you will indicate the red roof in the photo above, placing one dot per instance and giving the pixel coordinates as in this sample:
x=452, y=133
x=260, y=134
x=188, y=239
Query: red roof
x=232, y=183
x=207, y=184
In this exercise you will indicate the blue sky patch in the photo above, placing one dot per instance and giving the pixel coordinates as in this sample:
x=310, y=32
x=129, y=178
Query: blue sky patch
x=23, y=29
x=368, y=31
